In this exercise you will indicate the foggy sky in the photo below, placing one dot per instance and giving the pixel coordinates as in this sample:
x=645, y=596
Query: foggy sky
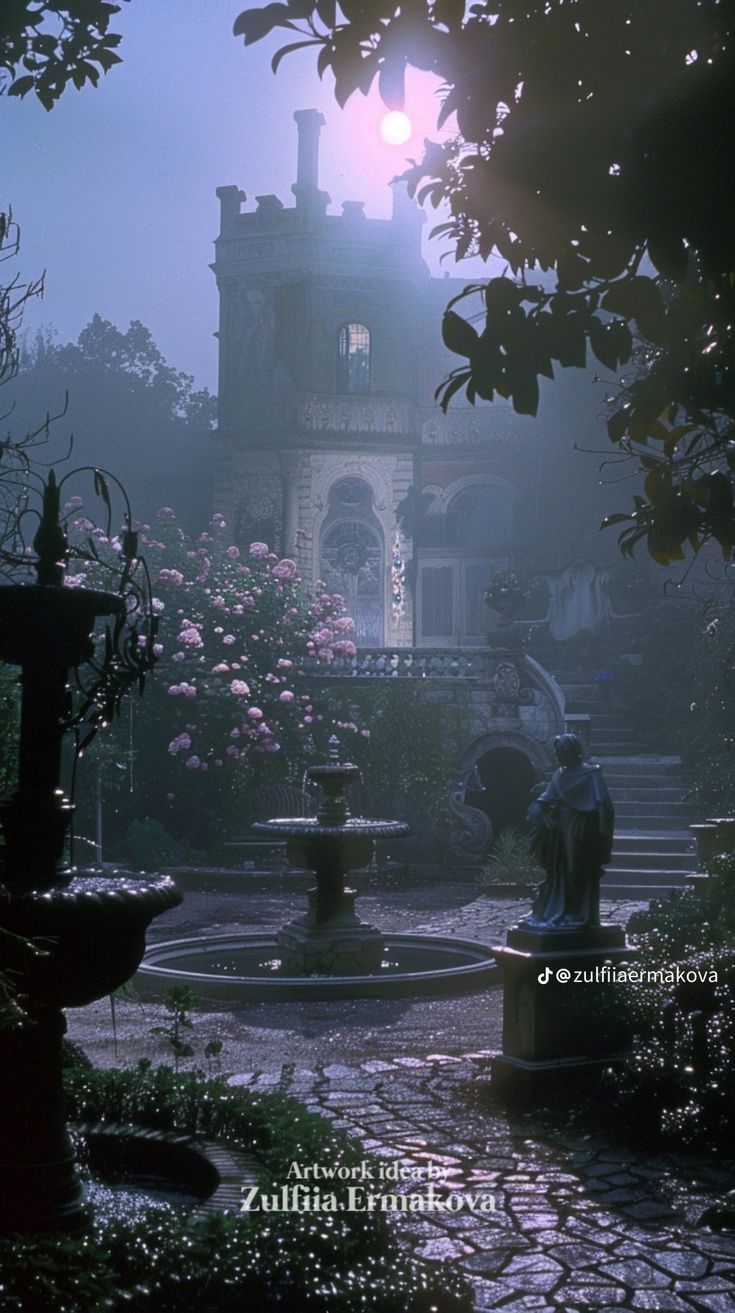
x=114, y=189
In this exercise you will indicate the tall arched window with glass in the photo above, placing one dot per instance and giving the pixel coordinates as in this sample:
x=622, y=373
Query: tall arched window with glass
x=353, y=359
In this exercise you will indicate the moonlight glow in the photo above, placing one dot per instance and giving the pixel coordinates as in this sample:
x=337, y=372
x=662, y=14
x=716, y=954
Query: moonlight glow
x=395, y=128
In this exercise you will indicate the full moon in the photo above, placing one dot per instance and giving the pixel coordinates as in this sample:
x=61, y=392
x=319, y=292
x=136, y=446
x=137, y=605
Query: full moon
x=395, y=128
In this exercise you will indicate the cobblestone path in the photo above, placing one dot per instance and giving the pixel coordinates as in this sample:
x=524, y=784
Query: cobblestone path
x=578, y=1224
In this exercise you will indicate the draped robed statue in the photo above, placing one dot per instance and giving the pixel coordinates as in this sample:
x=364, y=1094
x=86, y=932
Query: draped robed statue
x=570, y=835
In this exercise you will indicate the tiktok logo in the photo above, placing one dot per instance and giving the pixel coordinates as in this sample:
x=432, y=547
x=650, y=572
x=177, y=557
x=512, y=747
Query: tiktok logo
x=545, y=976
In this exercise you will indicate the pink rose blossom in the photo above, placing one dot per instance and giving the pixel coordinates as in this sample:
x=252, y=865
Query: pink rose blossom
x=166, y=513
x=229, y=639
x=239, y=688
x=191, y=637
x=285, y=569
x=233, y=553
x=192, y=763
x=258, y=549
x=181, y=743
x=255, y=713
x=170, y=577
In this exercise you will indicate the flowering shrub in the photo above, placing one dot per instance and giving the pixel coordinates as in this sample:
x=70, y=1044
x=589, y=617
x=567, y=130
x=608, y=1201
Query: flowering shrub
x=236, y=631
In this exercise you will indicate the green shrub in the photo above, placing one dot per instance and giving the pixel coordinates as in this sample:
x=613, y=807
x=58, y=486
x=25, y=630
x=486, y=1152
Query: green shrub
x=678, y=1083
x=510, y=862
x=262, y=1262
x=150, y=847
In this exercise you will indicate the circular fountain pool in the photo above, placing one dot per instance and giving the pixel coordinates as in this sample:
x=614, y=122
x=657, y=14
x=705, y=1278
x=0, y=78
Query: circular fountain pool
x=248, y=967
x=329, y=952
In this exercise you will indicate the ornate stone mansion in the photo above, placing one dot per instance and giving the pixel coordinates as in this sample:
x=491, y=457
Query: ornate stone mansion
x=331, y=448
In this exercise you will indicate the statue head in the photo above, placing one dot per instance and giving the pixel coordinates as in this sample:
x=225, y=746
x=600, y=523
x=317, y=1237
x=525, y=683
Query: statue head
x=568, y=749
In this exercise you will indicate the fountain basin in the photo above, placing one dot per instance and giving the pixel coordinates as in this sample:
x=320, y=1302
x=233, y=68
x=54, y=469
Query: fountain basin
x=245, y=968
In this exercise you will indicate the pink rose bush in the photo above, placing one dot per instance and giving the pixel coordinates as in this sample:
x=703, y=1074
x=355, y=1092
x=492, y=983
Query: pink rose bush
x=237, y=639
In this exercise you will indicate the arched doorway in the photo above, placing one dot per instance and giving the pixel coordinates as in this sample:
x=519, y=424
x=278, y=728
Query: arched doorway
x=497, y=774
x=503, y=778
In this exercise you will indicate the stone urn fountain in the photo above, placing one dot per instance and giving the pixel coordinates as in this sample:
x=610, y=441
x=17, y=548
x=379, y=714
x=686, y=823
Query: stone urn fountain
x=330, y=939
x=329, y=952
x=65, y=939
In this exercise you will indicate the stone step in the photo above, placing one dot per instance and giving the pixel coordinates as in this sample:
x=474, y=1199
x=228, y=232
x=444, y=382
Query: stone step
x=638, y=843
x=623, y=732
x=649, y=807
x=653, y=793
x=606, y=748
x=648, y=825
x=654, y=861
x=600, y=711
x=620, y=888
x=646, y=875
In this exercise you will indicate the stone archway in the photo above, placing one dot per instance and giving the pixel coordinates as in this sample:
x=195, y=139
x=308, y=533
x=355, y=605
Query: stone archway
x=498, y=771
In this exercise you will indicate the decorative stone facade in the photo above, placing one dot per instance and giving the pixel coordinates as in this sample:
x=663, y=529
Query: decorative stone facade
x=331, y=448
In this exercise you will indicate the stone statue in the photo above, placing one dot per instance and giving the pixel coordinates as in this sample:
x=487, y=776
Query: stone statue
x=571, y=831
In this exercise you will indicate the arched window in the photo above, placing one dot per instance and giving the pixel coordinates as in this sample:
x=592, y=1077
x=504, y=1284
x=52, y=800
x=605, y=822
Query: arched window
x=480, y=517
x=353, y=358
x=352, y=557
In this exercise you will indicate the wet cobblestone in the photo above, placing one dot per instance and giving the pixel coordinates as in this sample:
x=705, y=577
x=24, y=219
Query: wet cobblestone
x=579, y=1223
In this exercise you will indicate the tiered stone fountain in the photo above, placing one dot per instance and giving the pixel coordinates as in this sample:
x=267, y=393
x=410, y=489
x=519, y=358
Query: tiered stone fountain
x=65, y=940
x=329, y=952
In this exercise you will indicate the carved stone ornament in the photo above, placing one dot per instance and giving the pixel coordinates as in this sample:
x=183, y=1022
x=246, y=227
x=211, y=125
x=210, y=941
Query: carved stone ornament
x=506, y=681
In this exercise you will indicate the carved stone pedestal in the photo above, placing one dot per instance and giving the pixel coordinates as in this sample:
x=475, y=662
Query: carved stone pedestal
x=559, y=1023
x=341, y=945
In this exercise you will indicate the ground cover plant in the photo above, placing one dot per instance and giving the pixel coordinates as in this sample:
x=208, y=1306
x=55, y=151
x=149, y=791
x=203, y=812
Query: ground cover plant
x=678, y=1084
x=326, y=1262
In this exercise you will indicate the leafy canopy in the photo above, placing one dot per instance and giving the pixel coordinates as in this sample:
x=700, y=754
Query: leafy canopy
x=594, y=153
x=45, y=45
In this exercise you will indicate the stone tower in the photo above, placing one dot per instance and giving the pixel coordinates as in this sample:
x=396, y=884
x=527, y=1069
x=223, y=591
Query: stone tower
x=319, y=390
x=331, y=446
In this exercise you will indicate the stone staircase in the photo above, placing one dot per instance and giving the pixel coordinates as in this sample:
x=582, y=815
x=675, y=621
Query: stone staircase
x=653, y=850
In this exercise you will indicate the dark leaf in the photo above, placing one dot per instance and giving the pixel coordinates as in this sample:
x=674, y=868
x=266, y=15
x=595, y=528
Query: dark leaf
x=21, y=86
x=637, y=298
x=451, y=386
x=525, y=392
x=670, y=257
x=391, y=82
x=287, y=50
x=617, y=518
x=502, y=295
x=458, y=335
x=254, y=24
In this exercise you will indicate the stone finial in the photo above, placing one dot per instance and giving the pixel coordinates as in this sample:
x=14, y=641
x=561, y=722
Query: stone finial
x=230, y=199
x=306, y=187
